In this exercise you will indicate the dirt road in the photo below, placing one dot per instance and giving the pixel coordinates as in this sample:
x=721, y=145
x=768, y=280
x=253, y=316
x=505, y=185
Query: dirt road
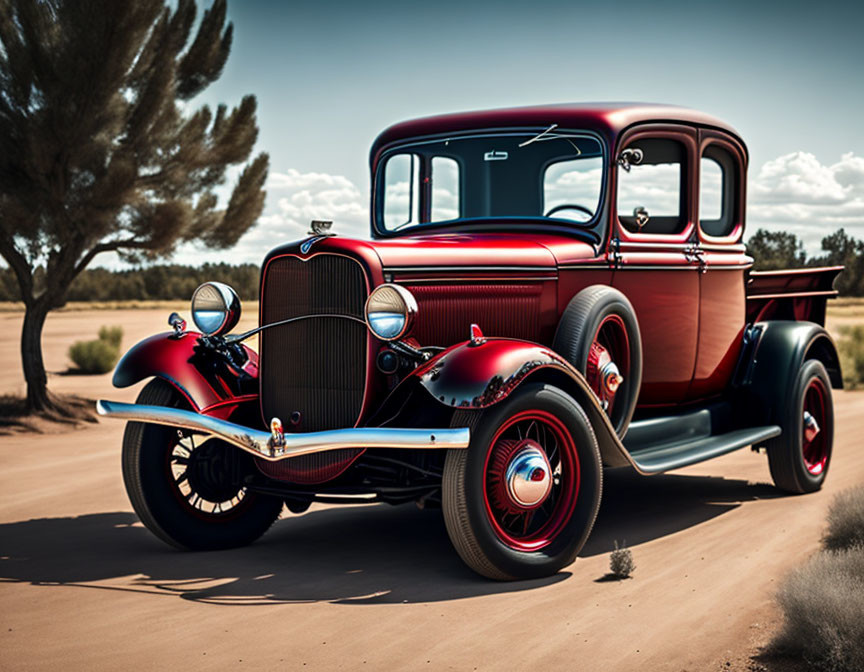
x=84, y=586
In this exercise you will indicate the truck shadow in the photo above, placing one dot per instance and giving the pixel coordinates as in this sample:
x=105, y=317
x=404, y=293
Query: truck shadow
x=351, y=555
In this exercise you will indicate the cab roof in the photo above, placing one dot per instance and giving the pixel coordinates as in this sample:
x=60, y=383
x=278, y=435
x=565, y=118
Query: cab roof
x=607, y=119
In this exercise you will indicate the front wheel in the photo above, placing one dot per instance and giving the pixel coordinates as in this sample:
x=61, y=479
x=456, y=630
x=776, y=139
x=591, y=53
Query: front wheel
x=799, y=458
x=188, y=490
x=520, y=502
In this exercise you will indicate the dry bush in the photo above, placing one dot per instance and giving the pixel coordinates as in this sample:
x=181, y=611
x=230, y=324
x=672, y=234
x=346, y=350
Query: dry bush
x=621, y=563
x=111, y=335
x=97, y=356
x=845, y=521
x=851, y=349
x=823, y=605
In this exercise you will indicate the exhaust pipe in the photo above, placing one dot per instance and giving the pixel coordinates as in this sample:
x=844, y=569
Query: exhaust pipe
x=274, y=446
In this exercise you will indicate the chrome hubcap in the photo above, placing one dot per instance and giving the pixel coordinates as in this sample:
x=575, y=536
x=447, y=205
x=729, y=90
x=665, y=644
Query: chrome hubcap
x=611, y=377
x=529, y=477
x=811, y=427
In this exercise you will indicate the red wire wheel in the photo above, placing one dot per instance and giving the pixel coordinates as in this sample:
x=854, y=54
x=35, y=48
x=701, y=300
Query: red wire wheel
x=814, y=445
x=531, y=528
x=800, y=457
x=599, y=335
x=520, y=502
x=610, y=345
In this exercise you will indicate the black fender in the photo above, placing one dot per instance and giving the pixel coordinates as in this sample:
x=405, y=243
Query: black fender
x=781, y=347
x=476, y=375
x=208, y=384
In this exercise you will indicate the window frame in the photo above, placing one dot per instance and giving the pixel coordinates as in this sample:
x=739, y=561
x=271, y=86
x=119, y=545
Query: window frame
x=593, y=228
x=737, y=182
x=687, y=136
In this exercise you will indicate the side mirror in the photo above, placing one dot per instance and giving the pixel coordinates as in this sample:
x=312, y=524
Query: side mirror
x=640, y=215
x=630, y=157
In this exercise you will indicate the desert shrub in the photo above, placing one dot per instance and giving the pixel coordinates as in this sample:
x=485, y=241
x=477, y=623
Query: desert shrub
x=111, y=335
x=845, y=521
x=823, y=605
x=97, y=356
x=621, y=563
x=851, y=348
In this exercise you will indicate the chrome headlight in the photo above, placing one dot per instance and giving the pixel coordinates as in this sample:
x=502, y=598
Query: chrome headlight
x=215, y=308
x=390, y=311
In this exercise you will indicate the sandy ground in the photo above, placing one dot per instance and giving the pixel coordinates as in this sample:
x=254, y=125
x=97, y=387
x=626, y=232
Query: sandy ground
x=84, y=586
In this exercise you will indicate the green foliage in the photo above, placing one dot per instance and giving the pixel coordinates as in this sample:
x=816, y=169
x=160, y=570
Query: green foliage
x=846, y=521
x=621, y=563
x=111, y=335
x=774, y=250
x=823, y=606
x=97, y=356
x=851, y=347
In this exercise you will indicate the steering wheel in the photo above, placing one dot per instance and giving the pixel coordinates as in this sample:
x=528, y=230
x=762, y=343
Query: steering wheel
x=569, y=206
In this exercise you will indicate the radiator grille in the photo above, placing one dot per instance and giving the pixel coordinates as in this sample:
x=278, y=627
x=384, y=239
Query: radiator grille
x=445, y=312
x=315, y=366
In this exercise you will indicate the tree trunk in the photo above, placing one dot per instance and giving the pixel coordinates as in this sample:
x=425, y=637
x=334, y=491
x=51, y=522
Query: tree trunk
x=31, y=358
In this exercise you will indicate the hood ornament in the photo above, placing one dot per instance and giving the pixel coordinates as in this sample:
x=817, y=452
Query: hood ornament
x=320, y=228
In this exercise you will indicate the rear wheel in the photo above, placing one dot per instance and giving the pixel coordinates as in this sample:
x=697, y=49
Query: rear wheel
x=520, y=502
x=187, y=489
x=799, y=458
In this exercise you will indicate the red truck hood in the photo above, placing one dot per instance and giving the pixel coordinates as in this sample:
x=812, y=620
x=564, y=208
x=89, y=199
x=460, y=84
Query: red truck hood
x=463, y=249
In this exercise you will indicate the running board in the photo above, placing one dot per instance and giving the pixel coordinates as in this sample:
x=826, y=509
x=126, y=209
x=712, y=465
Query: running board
x=678, y=451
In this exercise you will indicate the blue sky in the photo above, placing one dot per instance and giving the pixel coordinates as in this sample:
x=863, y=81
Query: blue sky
x=330, y=75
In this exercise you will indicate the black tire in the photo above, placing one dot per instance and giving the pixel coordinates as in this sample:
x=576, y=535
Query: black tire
x=148, y=451
x=579, y=326
x=787, y=453
x=467, y=514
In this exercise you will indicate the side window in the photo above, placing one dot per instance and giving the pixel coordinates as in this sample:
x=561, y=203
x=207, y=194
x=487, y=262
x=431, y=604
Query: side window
x=445, y=195
x=650, y=198
x=571, y=189
x=401, y=191
x=718, y=180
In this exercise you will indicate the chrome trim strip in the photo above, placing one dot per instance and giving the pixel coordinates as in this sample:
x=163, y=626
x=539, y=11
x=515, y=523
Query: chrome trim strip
x=599, y=265
x=421, y=269
x=260, y=443
x=682, y=267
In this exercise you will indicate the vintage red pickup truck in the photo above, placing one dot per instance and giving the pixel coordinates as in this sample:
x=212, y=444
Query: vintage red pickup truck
x=547, y=292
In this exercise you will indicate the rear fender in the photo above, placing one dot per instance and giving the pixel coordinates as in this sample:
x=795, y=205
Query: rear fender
x=207, y=383
x=473, y=376
x=769, y=374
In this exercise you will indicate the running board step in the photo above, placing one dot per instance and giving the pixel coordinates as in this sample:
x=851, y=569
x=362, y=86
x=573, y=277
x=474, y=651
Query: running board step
x=678, y=453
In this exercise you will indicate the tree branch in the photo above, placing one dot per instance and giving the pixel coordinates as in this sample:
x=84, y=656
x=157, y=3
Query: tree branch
x=19, y=265
x=110, y=246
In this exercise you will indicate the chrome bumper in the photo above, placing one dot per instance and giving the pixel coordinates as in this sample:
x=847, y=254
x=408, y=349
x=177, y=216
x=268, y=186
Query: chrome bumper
x=276, y=446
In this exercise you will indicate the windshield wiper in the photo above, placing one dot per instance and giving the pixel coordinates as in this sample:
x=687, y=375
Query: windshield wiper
x=539, y=136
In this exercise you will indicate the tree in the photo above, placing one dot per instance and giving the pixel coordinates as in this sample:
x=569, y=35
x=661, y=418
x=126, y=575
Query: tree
x=100, y=152
x=842, y=249
x=772, y=250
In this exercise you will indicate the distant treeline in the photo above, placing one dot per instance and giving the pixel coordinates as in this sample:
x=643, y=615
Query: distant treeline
x=161, y=282
x=769, y=249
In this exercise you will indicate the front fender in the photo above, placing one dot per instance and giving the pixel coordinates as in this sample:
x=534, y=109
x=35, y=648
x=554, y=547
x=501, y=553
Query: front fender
x=206, y=383
x=472, y=376
x=783, y=346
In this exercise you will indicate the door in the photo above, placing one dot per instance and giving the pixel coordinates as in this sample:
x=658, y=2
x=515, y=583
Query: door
x=653, y=221
x=723, y=261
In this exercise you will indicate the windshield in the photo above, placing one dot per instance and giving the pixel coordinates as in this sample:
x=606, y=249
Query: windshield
x=548, y=174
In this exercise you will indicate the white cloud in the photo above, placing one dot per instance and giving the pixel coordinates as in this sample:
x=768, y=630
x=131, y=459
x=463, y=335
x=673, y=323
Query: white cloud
x=294, y=199
x=797, y=193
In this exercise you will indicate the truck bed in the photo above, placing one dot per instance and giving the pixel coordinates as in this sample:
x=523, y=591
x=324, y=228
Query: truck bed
x=790, y=294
